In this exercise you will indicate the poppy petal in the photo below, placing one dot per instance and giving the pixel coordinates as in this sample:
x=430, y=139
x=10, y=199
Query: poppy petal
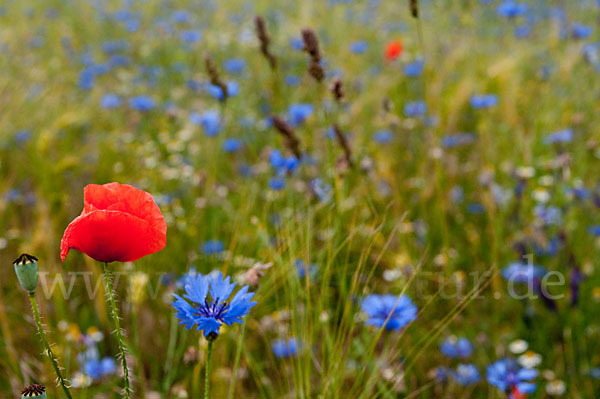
x=107, y=236
x=124, y=198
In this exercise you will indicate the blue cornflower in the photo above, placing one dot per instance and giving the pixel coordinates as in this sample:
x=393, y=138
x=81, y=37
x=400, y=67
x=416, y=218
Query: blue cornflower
x=548, y=215
x=299, y=112
x=557, y=13
x=233, y=89
x=132, y=25
x=296, y=43
x=441, y=374
x=455, y=140
x=209, y=120
x=481, y=101
x=383, y=136
x=466, y=374
x=111, y=46
x=212, y=247
x=208, y=315
x=475, y=208
x=165, y=27
x=523, y=31
x=580, y=31
x=276, y=183
x=548, y=249
x=12, y=195
x=23, y=135
x=291, y=164
x=92, y=368
x=511, y=9
x=118, y=60
x=190, y=36
x=393, y=312
x=594, y=230
x=457, y=194
x=285, y=348
x=232, y=145
x=36, y=42
x=86, y=79
x=414, y=69
x=182, y=281
x=92, y=365
x=506, y=374
x=522, y=272
x=235, y=65
x=321, y=189
x=453, y=347
x=330, y=133
x=590, y=53
x=180, y=16
x=292, y=80
x=142, y=103
x=359, y=47
x=194, y=85
x=276, y=159
x=560, y=136
x=415, y=108
x=580, y=193
x=122, y=15
x=110, y=101
x=282, y=164
x=303, y=268
x=109, y=365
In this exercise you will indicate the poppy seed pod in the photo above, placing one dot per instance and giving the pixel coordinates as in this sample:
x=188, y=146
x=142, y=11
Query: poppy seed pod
x=34, y=391
x=26, y=268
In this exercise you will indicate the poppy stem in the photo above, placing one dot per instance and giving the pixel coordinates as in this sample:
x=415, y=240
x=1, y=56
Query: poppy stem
x=40, y=328
x=118, y=332
x=207, y=370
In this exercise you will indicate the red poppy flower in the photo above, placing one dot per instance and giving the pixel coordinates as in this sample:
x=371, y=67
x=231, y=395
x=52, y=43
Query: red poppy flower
x=393, y=50
x=118, y=223
x=516, y=394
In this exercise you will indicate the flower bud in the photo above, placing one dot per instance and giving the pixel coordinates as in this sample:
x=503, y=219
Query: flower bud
x=34, y=391
x=26, y=268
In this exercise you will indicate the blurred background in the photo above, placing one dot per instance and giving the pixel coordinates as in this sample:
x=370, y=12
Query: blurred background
x=442, y=146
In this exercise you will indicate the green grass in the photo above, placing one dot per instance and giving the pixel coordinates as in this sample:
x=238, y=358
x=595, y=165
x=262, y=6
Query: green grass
x=394, y=215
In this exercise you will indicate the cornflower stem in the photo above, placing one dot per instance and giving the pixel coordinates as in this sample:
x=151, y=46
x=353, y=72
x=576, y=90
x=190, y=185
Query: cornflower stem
x=236, y=364
x=118, y=333
x=40, y=328
x=207, y=369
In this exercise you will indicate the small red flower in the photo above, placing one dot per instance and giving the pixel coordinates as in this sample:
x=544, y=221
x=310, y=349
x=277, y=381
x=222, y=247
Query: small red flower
x=118, y=223
x=393, y=50
x=516, y=394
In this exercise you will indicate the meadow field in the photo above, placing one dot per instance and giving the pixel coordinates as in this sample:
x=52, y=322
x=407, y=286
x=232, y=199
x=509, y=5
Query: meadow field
x=406, y=195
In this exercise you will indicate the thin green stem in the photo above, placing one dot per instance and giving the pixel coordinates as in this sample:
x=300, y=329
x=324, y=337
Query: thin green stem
x=170, y=355
x=40, y=328
x=119, y=334
x=207, y=370
x=236, y=363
